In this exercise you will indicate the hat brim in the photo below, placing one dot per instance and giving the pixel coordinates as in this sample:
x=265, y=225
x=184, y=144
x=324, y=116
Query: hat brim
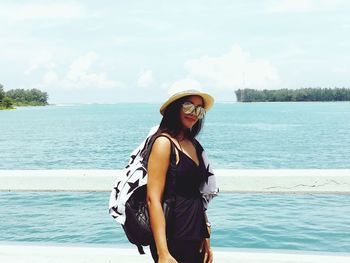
x=207, y=99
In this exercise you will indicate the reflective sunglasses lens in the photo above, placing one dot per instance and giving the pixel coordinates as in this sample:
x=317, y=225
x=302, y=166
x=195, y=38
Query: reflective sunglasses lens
x=188, y=108
x=201, y=112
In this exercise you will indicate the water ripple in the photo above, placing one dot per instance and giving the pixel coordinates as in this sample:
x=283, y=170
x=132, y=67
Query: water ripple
x=270, y=221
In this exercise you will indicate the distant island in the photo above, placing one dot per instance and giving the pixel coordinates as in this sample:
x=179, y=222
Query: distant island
x=21, y=97
x=303, y=94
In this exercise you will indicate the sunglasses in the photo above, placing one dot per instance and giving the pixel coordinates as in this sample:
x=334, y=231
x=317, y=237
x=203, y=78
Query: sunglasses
x=189, y=108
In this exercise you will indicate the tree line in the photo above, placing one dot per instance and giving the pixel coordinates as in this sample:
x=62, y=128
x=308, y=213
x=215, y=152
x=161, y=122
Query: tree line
x=22, y=97
x=303, y=94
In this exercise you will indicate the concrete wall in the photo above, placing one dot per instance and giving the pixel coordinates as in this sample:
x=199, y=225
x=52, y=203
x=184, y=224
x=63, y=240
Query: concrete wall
x=266, y=181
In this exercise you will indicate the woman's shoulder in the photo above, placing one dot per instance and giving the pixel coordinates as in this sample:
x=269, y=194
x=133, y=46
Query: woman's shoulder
x=163, y=140
x=168, y=136
x=161, y=145
x=162, y=137
x=171, y=139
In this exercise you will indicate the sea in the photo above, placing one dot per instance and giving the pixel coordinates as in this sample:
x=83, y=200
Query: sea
x=300, y=135
x=235, y=135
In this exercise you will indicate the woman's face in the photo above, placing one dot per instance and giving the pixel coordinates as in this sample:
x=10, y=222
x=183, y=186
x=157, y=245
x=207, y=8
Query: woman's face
x=188, y=120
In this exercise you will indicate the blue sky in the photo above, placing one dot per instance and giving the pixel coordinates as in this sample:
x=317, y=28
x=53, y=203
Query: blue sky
x=133, y=51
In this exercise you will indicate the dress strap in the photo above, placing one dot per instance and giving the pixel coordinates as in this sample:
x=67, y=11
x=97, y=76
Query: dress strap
x=179, y=144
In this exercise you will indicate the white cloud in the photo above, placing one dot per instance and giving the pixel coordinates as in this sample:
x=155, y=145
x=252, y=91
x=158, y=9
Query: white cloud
x=145, y=79
x=80, y=77
x=341, y=70
x=78, y=69
x=233, y=70
x=42, y=60
x=50, y=77
x=184, y=84
x=20, y=12
x=282, y=6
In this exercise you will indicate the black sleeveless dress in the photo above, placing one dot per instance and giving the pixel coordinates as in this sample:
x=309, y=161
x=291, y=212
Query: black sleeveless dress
x=189, y=221
x=189, y=226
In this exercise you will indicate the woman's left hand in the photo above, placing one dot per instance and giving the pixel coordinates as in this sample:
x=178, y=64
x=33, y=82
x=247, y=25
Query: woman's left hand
x=207, y=251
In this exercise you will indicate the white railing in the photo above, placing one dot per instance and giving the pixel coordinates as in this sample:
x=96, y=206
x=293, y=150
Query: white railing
x=228, y=180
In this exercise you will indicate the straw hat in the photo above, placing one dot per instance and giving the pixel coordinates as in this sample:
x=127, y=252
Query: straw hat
x=208, y=100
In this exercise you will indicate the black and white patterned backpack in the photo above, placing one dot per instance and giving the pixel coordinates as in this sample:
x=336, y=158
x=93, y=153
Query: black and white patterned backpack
x=128, y=205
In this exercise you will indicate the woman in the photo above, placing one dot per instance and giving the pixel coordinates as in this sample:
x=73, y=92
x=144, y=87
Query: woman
x=183, y=116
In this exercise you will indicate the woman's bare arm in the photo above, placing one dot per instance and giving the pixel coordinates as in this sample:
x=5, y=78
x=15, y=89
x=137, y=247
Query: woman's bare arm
x=158, y=164
x=208, y=252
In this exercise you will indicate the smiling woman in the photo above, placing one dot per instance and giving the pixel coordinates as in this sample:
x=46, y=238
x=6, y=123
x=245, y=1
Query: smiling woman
x=185, y=236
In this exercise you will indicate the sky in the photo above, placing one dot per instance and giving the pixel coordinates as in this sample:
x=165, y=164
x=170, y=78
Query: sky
x=142, y=51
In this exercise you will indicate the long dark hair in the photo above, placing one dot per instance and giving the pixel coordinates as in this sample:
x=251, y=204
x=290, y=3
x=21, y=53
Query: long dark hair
x=171, y=122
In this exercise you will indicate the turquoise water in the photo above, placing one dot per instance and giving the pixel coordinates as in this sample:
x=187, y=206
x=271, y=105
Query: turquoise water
x=268, y=221
x=236, y=135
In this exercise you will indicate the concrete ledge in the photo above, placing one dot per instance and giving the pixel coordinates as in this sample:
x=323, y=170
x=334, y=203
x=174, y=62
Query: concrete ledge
x=67, y=254
x=285, y=181
x=229, y=180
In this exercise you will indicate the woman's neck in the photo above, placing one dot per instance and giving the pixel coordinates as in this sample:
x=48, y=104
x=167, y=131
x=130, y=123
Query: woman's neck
x=182, y=136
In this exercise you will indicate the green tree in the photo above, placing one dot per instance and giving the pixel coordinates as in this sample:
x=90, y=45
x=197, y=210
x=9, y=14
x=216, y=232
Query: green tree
x=28, y=97
x=2, y=93
x=7, y=103
x=303, y=94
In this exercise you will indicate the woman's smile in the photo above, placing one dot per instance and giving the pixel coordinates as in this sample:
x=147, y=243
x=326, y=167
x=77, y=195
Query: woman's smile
x=192, y=119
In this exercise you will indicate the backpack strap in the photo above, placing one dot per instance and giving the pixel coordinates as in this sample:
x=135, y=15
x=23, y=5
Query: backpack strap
x=140, y=249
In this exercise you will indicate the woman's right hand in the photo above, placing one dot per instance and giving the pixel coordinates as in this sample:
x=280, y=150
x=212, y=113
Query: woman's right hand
x=166, y=259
